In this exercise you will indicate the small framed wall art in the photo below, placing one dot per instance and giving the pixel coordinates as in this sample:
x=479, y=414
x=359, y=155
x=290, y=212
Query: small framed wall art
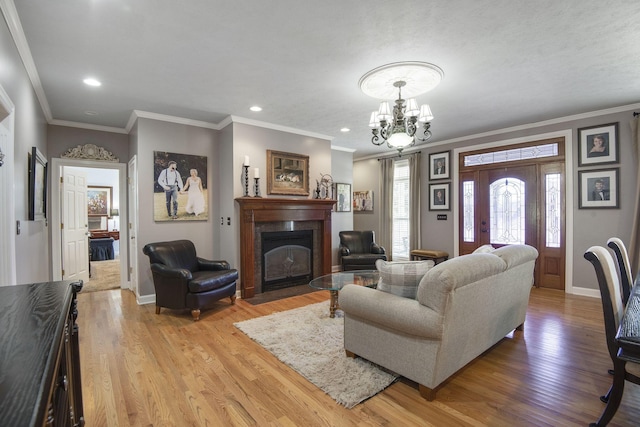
x=363, y=201
x=439, y=165
x=344, y=197
x=599, y=189
x=37, y=185
x=439, y=197
x=99, y=200
x=598, y=145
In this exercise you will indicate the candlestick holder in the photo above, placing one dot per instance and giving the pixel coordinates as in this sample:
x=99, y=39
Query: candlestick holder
x=256, y=188
x=246, y=180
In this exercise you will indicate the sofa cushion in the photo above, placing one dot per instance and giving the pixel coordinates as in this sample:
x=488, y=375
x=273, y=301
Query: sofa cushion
x=402, y=277
x=484, y=249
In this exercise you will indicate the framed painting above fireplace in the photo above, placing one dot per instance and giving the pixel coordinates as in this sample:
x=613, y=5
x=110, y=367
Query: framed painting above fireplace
x=287, y=173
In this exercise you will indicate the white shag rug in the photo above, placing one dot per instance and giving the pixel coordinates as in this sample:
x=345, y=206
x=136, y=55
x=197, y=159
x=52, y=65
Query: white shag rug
x=310, y=342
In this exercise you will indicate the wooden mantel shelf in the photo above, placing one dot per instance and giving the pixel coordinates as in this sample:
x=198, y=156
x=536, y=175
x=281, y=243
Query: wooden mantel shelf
x=256, y=209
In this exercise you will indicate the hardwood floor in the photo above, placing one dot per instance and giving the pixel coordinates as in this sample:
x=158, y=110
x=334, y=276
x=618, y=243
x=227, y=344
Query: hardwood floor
x=143, y=369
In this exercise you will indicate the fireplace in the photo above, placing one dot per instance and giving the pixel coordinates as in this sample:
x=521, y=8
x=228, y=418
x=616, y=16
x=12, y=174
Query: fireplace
x=265, y=215
x=287, y=259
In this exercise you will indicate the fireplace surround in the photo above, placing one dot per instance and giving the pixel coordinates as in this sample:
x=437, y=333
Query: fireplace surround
x=258, y=215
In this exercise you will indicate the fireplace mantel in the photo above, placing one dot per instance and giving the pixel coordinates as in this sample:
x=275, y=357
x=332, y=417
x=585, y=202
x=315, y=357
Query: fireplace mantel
x=255, y=210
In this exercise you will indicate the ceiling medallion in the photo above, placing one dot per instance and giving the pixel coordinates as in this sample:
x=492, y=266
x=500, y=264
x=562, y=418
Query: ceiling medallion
x=398, y=127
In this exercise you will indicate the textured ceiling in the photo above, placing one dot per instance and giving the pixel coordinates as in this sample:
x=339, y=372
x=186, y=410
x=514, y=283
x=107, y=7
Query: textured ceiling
x=505, y=62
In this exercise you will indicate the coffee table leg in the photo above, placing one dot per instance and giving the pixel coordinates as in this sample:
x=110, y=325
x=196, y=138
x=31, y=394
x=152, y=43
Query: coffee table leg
x=334, y=304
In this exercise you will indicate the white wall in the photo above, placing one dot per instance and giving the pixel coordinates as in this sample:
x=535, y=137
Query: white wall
x=33, y=261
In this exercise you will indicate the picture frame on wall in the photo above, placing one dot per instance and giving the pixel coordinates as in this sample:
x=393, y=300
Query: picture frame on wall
x=99, y=200
x=37, y=185
x=439, y=197
x=343, y=192
x=598, y=145
x=439, y=165
x=180, y=187
x=599, y=189
x=287, y=173
x=363, y=201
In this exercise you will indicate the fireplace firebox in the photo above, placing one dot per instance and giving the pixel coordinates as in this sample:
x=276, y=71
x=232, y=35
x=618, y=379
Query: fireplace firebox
x=287, y=259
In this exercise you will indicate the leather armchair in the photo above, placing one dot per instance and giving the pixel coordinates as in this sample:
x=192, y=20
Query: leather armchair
x=359, y=251
x=184, y=280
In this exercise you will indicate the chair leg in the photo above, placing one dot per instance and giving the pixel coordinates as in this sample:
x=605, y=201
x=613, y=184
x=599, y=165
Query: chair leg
x=233, y=299
x=351, y=354
x=605, y=398
x=615, y=395
x=196, y=314
x=157, y=309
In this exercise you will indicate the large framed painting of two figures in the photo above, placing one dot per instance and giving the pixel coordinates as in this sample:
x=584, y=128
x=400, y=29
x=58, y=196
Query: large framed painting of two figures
x=180, y=187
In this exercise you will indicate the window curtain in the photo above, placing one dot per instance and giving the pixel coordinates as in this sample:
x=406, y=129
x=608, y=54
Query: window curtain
x=386, y=205
x=634, y=247
x=415, y=233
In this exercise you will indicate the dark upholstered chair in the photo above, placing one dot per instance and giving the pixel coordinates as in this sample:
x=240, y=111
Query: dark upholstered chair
x=183, y=280
x=359, y=251
x=624, y=266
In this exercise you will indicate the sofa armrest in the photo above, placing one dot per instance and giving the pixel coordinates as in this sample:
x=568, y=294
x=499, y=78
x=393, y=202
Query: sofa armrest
x=390, y=311
x=205, y=264
x=376, y=249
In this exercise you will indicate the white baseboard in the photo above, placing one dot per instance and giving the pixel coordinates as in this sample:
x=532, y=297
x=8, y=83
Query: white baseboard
x=146, y=299
x=587, y=292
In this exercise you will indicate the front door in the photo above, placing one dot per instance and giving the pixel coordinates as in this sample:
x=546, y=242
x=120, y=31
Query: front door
x=515, y=204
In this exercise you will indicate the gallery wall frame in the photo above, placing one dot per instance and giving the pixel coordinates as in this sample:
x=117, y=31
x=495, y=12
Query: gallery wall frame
x=599, y=189
x=37, y=185
x=343, y=192
x=598, y=145
x=99, y=200
x=440, y=197
x=287, y=173
x=363, y=201
x=439, y=165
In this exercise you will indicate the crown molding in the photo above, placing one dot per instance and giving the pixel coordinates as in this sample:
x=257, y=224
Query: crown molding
x=338, y=148
x=87, y=126
x=170, y=119
x=15, y=28
x=257, y=123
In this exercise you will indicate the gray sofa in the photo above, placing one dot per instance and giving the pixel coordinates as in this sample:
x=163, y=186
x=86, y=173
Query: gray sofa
x=463, y=307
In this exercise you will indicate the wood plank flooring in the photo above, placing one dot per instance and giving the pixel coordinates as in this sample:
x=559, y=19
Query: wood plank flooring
x=143, y=369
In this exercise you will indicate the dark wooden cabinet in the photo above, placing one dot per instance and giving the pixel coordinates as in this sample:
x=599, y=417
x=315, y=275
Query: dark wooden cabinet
x=39, y=355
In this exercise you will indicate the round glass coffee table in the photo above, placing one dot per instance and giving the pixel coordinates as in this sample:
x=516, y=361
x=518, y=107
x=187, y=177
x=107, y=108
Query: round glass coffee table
x=334, y=282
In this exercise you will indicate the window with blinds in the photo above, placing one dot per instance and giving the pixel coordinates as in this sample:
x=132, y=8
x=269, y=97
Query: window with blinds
x=400, y=231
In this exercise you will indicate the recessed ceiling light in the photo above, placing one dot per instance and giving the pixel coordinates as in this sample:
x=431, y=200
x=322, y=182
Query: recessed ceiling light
x=91, y=113
x=92, y=82
x=255, y=108
x=345, y=130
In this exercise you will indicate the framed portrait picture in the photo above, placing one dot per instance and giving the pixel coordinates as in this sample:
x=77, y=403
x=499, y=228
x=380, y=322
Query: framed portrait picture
x=287, y=173
x=599, y=188
x=37, y=185
x=99, y=200
x=598, y=144
x=439, y=165
x=180, y=190
x=363, y=201
x=439, y=197
x=343, y=195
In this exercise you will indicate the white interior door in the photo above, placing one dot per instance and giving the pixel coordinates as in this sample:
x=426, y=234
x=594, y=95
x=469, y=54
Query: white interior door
x=75, y=230
x=133, y=224
x=7, y=217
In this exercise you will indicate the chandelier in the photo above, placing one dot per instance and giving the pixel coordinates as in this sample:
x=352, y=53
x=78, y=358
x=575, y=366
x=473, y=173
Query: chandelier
x=398, y=127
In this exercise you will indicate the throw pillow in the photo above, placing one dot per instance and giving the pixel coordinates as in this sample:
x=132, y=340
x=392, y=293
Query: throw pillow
x=484, y=249
x=401, y=277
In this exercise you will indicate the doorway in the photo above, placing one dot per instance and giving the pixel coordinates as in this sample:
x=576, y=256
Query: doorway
x=57, y=200
x=518, y=199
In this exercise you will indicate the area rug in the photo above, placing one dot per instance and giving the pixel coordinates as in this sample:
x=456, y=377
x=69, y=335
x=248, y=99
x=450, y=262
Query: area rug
x=104, y=275
x=310, y=342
